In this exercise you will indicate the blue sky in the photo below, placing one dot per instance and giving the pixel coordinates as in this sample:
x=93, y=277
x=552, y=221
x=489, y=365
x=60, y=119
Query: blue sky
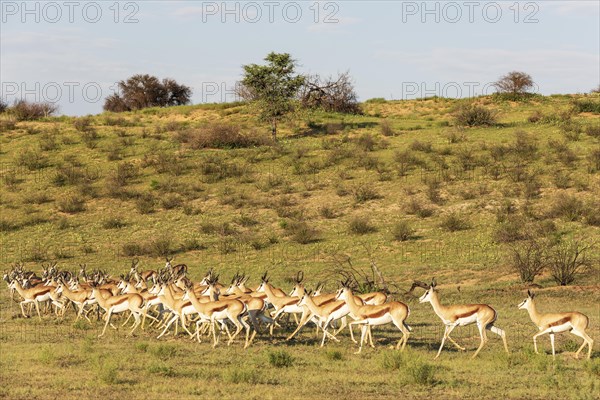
x=74, y=53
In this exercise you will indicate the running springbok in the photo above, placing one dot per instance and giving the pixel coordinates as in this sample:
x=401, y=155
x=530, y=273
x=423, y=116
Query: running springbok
x=373, y=315
x=461, y=315
x=575, y=322
x=35, y=295
x=118, y=304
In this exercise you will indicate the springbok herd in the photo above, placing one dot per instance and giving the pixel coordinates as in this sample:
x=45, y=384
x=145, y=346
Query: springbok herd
x=167, y=296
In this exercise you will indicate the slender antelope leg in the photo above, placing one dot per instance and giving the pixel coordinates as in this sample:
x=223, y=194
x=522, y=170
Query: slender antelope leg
x=138, y=321
x=456, y=344
x=108, y=315
x=303, y=321
x=405, y=335
x=237, y=331
x=212, y=328
x=23, y=310
x=37, y=307
x=175, y=317
x=447, y=331
x=483, y=336
x=535, y=341
x=363, y=331
x=552, y=343
x=499, y=332
x=586, y=340
x=127, y=320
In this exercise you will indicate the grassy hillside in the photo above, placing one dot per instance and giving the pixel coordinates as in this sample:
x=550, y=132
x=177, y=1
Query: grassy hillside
x=400, y=186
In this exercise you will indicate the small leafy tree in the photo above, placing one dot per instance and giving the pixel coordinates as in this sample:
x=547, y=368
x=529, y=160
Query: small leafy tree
x=272, y=87
x=515, y=84
x=142, y=91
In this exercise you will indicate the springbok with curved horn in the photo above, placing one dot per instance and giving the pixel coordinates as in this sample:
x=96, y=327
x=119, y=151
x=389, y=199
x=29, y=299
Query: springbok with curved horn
x=371, y=315
x=575, y=322
x=461, y=315
x=118, y=304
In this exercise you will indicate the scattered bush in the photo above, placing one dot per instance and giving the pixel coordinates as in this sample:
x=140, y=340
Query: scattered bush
x=161, y=246
x=593, y=131
x=3, y=106
x=509, y=230
x=164, y=351
x=422, y=373
x=334, y=355
x=525, y=146
x=107, y=372
x=568, y=260
x=171, y=200
x=528, y=259
x=224, y=136
x=145, y=203
x=393, y=360
x=161, y=370
x=7, y=125
x=425, y=147
x=237, y=374
x=83, y=124
x=587, y=105
x=31, y=159
x=48, y=142
x=364, y=192
x=23, y=110
x=402, y=230
x=456, y=135
x=535, y=117
x=280, y=359
x=572, y=131
x=301, y=232
x=453, y=222
x=474, y=115
x=133, y=249
x=113, y=223
x=328, y=212
x=71, y=203
x=568, y=206
x=90, y=138
x=386, y=128
x=361, y=225
x=416, y=207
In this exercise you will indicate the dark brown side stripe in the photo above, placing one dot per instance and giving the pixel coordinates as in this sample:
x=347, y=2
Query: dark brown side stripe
x=42, y=292
x=560, y=322
x=379, y=313
x=124, y=299
x=467, y=314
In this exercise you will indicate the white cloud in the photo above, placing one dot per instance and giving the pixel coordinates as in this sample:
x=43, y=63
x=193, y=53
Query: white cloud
x=333, y=27
x=581, y=8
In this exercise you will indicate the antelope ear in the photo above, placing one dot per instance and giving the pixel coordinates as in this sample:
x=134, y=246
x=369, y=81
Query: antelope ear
x=433, y=283
x=532, y=295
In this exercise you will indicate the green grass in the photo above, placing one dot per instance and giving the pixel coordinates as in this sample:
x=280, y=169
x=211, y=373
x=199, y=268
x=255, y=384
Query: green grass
x=290, y=207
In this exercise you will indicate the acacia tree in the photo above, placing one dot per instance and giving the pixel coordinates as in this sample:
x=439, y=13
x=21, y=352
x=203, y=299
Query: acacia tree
x=330, y=94
x=515, y=84
x=142, y=91
x=272, y=87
